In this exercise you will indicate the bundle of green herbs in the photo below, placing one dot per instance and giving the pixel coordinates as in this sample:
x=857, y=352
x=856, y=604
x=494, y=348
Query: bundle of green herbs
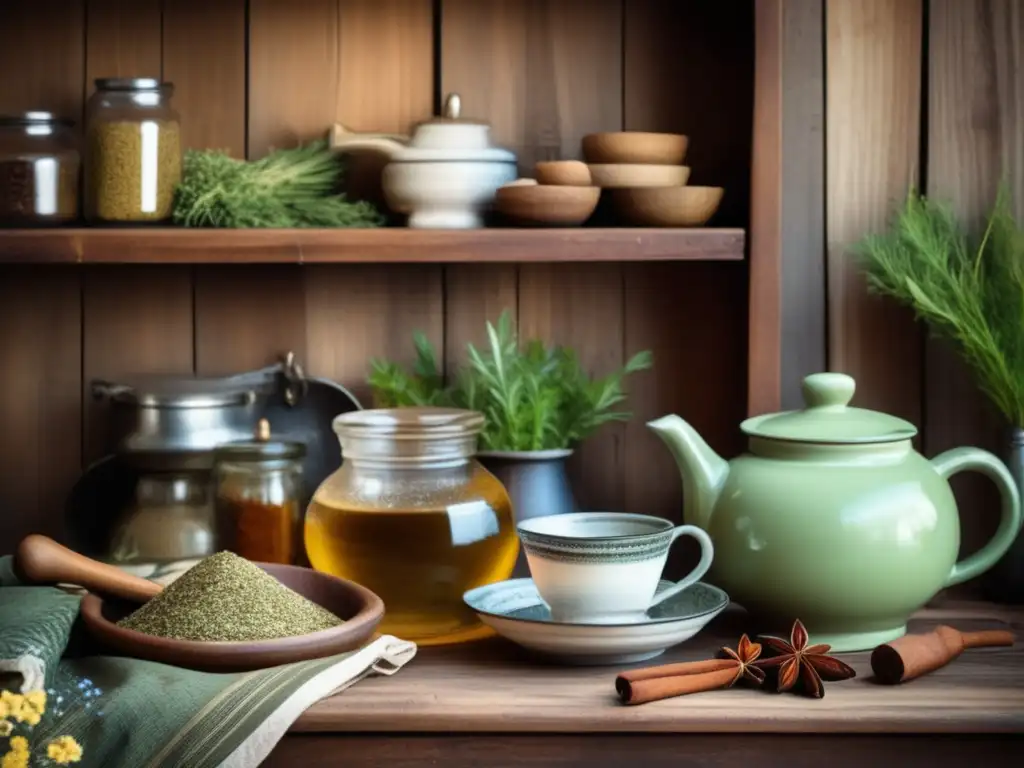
x=293, y=187
x=967, y=286
x=534, y=397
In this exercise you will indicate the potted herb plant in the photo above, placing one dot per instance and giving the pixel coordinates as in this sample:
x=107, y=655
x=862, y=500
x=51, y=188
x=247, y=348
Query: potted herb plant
x=537, y=401
x=969, y=289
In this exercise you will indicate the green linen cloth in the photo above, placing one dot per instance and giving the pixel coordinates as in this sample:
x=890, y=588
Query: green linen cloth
x=134, y=713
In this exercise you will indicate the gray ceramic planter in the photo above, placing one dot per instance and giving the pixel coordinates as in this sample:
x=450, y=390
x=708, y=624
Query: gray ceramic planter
x=537, y=483
x=1005, y=582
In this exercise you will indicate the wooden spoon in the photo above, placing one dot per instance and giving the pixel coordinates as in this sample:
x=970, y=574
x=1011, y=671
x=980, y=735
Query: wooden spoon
x=41, y=560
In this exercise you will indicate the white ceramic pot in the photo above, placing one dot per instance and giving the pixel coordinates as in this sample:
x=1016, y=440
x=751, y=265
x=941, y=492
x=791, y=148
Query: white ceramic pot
x=445, y=176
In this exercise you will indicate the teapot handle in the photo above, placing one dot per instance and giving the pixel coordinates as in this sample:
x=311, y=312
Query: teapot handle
x=977, y=460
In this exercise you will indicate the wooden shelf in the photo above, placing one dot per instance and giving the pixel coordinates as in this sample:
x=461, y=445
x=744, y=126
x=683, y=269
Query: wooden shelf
x=322, y=246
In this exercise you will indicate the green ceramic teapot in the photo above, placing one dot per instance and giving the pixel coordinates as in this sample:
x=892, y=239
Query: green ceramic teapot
x=832, y=517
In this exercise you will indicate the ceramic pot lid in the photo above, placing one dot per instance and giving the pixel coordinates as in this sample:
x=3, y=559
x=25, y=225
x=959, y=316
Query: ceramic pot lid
x=828, y=417
x=450, y=137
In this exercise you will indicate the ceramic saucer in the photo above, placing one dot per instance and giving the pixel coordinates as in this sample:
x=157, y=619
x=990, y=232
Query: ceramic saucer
x=515, y=611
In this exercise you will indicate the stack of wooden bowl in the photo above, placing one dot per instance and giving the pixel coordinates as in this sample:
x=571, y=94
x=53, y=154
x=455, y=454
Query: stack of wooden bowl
x=646, y=179
x=562, y=195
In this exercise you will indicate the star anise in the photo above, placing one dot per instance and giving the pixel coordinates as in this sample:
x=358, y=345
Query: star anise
x=745, y=655
x=809, y=665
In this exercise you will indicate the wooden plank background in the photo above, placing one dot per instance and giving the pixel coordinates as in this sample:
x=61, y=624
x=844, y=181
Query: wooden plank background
x=855, y=102
x=251, y=75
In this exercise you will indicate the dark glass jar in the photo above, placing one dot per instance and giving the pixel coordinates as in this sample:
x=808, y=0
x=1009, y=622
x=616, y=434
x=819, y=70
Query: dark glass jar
x=258, y=498
x=132, y=151
x=39, y=168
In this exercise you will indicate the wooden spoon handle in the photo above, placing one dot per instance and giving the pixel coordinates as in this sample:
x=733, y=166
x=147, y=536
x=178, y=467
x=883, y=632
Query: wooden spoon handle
x=988, y=639
x=42, y=560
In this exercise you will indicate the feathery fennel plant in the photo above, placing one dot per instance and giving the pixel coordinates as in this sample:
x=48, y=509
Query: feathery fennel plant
x=967, y=287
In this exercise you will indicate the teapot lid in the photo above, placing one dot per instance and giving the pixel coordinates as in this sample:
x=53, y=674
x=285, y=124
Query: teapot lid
x=828, y=418
x=451, y=137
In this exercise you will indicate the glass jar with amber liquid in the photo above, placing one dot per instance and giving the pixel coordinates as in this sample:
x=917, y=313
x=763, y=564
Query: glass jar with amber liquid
x=414, y=517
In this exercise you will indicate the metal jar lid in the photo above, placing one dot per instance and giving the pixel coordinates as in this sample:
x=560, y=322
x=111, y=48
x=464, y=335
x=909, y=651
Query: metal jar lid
x=260, y=449
x=133, y=84
x=35, y=118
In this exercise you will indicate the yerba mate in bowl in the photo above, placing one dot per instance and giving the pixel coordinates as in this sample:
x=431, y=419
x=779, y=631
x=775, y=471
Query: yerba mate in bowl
x=357, y=610
x=227, y=598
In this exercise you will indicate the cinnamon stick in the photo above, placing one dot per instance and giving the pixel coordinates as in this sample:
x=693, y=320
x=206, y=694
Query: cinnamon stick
x=639, y=686
x=911, y=656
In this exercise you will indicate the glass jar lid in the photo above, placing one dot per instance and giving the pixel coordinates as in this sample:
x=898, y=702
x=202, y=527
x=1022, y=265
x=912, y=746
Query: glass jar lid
x=411, y=435
x=828, y=417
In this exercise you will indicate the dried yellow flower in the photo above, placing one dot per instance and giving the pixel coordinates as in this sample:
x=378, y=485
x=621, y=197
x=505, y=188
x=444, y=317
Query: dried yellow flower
x=10, y=703
x=64, y=750
x=36, y=700
x=6, y=728
x=28, y=716
x=15, y=759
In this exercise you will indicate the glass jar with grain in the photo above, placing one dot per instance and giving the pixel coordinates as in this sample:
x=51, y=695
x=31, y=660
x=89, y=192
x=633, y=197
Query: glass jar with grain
x=132, y=151
x=412, y=515
x=39, y=166
x=258, y=488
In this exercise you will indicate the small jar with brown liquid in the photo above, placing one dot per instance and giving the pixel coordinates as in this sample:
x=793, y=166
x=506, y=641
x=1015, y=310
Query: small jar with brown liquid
x=258, y=490
x=413, y=516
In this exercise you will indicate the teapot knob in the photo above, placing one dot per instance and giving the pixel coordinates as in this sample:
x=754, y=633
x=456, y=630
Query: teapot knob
x=823, y=390
x=452, y=106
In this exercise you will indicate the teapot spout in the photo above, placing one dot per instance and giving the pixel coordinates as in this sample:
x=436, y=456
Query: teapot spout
x=703, y=471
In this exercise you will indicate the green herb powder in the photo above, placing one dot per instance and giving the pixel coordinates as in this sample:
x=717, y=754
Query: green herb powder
x=225, y=597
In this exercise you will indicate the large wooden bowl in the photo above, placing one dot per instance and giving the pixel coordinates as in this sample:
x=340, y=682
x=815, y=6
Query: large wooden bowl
x=547, y=206
x=619, y=175
x=635, y=147
x=666, y=206
x=361, y=609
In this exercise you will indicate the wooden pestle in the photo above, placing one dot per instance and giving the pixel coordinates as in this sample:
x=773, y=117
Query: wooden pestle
x=914, y=655
x=41, y=560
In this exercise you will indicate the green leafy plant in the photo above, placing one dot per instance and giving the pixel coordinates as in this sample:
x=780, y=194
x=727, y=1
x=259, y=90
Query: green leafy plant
x=533, y=396
x=968, y=287
x=287, y=188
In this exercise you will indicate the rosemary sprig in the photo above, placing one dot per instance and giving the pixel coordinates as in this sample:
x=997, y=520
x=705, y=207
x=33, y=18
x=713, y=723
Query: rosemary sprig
x=287, y=188
x=968, y=288
x=534, y=397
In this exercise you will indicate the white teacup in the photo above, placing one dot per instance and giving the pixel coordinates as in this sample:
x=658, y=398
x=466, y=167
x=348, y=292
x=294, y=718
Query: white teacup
x=604, y=567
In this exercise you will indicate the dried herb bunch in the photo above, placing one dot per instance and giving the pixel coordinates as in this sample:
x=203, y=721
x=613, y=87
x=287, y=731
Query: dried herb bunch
x=288, y=188
x=534, y=397
x=968, y=287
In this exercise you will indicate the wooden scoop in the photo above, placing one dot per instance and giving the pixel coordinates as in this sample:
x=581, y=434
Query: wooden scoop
x=41, y=560
x=914, y=655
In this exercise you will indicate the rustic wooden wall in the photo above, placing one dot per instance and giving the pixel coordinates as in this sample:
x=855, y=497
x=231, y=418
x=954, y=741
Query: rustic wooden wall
x=893, y=67
x=253, y=75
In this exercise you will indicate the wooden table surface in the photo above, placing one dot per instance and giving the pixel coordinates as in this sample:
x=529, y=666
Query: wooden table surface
x=492, y=696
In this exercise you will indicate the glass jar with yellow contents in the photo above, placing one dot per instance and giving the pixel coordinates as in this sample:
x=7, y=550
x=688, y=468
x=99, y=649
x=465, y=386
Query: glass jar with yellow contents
x=413, y=516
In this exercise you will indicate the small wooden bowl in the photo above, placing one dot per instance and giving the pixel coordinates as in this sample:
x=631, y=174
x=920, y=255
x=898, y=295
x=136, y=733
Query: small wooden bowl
x=569, y=173
x=618, y=175
x=635, y=147
x=547, y=206
x=667, y=206
x=361, y=609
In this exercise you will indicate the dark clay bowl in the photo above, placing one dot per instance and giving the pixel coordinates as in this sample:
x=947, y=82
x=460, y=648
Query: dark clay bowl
x=361, y=609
